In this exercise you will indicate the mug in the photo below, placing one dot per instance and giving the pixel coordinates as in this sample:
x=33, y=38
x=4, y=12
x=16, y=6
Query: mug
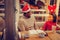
x=53, y=28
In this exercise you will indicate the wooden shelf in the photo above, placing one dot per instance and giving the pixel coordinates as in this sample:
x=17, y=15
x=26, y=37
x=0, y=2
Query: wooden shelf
x=35, y=10
x=37, y=14
x=2, y=4
x=40, y=14
x=2, y=9
x=38, y=10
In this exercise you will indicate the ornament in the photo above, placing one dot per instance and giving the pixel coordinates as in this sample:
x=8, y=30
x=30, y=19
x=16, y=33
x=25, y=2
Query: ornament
x=52, y=8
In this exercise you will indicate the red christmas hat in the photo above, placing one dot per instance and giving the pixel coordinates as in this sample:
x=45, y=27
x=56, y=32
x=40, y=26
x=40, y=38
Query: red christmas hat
x=26, y=8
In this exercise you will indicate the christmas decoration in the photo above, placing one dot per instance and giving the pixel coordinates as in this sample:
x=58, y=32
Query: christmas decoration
x=52, y=8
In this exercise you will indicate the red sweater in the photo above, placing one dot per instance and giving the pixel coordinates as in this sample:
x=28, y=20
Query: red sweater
x=48, y=25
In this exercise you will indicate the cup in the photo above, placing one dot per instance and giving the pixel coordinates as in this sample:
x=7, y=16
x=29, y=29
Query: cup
x=53, y=28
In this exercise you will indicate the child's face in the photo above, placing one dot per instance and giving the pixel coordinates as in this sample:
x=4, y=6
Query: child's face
x=50, y=18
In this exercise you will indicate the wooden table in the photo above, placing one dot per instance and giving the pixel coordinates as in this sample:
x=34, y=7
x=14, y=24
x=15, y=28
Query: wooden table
x=51, y=36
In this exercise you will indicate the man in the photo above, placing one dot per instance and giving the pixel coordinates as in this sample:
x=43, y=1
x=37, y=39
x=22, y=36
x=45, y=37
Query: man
x=27, y=21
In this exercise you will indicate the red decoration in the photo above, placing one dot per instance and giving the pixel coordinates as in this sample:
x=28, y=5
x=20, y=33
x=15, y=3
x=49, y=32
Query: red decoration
x=52, y=8
x=26, y=8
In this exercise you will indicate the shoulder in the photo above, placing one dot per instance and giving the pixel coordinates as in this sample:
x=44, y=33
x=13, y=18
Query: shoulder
x=32, y=17
x=21, y=19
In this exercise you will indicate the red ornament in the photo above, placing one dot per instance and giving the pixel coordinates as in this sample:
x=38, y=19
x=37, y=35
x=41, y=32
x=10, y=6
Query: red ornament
x=52, y=8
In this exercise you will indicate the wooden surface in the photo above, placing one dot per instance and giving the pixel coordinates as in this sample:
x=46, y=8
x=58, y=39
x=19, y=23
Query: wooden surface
x=54, y=36
x=51, y=36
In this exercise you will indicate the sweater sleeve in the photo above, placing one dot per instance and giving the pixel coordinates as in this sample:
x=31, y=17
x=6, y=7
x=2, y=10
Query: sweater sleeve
x=44, y=26
x=35, y=25
x=21, y=25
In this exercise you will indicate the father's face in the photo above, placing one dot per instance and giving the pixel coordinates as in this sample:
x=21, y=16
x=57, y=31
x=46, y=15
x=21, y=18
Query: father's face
x=28, y=14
